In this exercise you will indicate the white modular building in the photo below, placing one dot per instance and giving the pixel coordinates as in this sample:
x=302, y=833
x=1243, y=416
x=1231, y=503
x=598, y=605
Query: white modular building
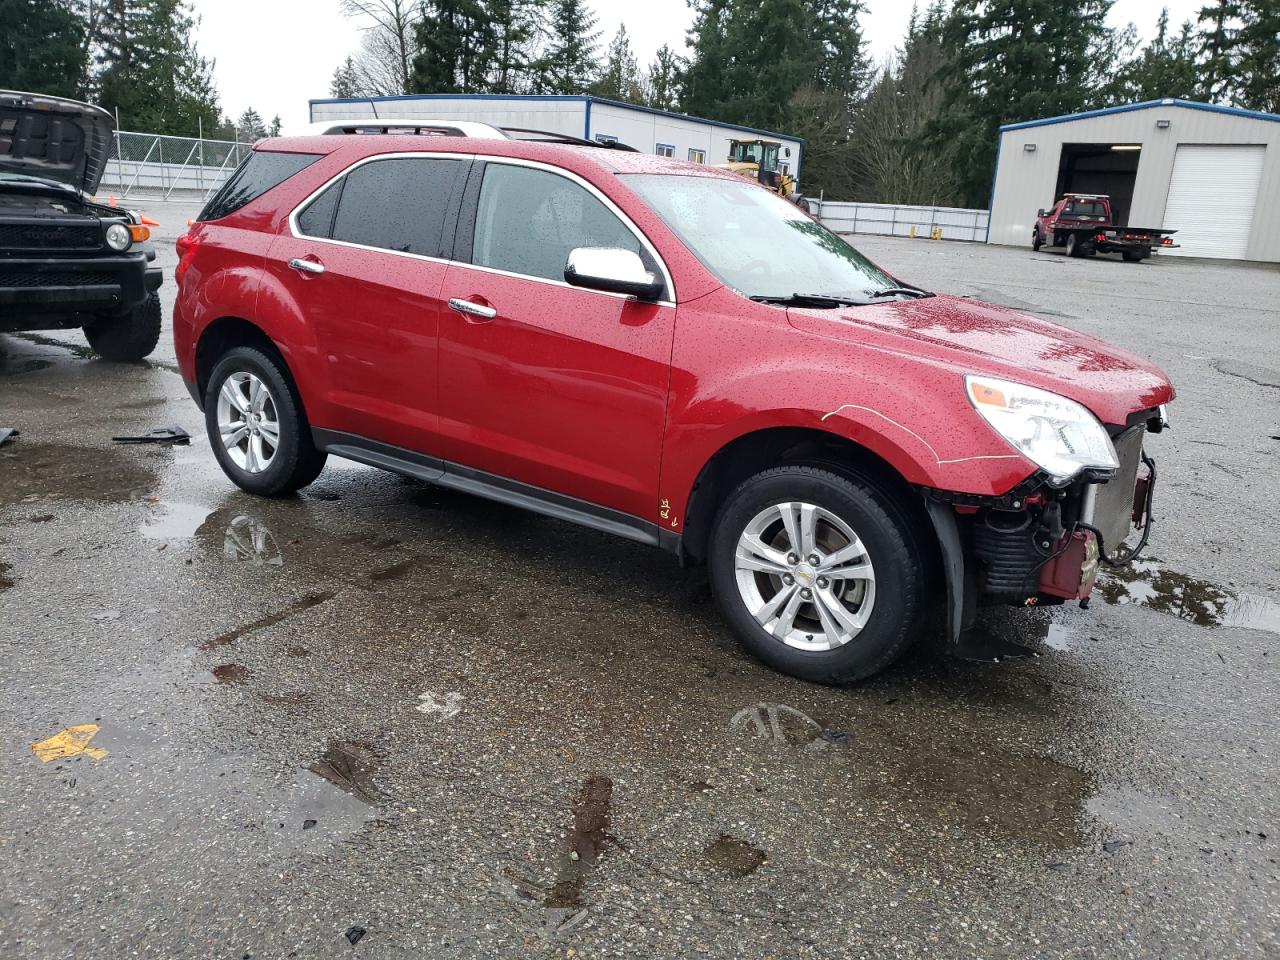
x=1210, y=172
x=660, y=132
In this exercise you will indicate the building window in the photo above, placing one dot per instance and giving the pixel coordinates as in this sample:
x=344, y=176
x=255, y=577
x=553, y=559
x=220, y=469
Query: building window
x=665, y=150
x=697, y=156
x=606, y=138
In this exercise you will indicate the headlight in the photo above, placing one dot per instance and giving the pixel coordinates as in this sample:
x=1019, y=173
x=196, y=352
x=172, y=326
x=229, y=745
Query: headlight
x=1057, y=434
x=118, y=237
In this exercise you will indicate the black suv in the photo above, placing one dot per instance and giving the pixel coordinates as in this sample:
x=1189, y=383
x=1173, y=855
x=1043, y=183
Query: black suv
x=66, y=261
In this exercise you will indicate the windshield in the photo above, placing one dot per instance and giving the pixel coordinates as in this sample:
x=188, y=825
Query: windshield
x=756, y=242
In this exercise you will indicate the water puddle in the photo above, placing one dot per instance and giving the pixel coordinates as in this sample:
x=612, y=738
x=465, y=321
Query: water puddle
x=393, y=572
x=1148, y=584
x=584, y=843
x=784, y=724
x=52, y=471
x=5, y=580
x=1059, y=637
x=350, y=766
x=734, y=856
x=174, y=521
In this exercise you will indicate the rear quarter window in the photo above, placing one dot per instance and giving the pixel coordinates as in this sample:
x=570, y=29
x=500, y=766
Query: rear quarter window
x=262, y=171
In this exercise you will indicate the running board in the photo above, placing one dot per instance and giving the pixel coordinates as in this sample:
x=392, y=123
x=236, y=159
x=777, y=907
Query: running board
x=492, y=487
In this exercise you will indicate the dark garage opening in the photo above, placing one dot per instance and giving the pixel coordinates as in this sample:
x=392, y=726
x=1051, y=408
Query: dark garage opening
x=1106, y=168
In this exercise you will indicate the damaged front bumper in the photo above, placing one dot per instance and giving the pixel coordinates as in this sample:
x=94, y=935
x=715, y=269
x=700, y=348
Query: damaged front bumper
x=1041, y=545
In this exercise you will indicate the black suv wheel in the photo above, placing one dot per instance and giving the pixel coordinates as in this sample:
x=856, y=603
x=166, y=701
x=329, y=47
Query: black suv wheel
x=815, y=576
x=130, y=337
x=257, y=426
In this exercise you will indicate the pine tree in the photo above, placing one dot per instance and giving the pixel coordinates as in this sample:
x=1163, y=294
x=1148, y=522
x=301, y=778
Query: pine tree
x=273, y=128
x=250, y=127
x=662, y=80
x=1217, y=31
x=620, y=79
x=1258, y=55
x=346, y=81
x=1010, y=60
x=455, y=45
x=151, y=72
x=42, y=48
x=569, y=63
x=1166, y=67
x=751, y=58
x=515, y=25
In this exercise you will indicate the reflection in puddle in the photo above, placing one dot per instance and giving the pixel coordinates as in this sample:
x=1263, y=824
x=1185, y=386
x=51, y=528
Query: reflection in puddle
x=734, y=856
x=248, y=541
x=1150, y=585
x=777, y=721
x=174, y=521
x=1059, y=637
x=350, y=765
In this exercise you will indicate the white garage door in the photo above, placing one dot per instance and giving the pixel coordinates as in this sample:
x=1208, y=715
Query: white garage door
x=1213, y=198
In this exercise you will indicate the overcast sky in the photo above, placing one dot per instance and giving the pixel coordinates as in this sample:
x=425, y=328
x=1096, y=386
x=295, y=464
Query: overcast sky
x=275, y=55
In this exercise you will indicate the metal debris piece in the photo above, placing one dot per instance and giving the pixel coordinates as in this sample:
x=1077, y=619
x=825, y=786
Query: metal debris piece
x=355, y=934
x=70, y=742
x=8, y=433
x=175, y=436
x=308, y=824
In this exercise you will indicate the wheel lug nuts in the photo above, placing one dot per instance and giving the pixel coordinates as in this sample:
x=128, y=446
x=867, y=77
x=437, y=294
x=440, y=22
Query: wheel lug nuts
x=806, y=594
x=788, y=579
x=822, y=583
x=793, y=558
x=813, y=559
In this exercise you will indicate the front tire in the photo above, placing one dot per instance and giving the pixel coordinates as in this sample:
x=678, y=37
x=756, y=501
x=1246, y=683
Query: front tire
x=1035, y=241
x=257, y=427
x=128, y=338
x=816, y=574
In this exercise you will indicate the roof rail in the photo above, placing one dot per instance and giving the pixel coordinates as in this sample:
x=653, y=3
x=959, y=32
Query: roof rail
x=412, y=125
x=550, y=136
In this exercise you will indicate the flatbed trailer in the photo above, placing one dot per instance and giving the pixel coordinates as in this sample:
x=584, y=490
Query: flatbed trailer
x=1081, y=223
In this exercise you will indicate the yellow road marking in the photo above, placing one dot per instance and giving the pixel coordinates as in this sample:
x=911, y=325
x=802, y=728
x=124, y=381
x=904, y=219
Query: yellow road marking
x=71, y=742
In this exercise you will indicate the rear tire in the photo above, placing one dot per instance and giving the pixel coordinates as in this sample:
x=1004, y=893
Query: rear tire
x=257, y=427
x=1133, y=256
x=1073, y=246
x=840, y=620
x=128, y=338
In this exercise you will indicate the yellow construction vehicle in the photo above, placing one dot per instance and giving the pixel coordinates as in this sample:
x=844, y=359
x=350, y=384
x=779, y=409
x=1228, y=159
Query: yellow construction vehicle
x=758, y=160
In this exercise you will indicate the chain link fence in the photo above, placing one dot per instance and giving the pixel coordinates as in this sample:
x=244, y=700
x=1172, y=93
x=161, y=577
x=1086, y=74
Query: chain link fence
x=148, y=166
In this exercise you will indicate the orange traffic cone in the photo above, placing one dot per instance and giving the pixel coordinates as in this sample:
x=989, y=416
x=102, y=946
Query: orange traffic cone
x=111, y=202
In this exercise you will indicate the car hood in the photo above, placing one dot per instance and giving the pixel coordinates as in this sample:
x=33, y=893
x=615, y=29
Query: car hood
x=974, y=337
x=52, y=139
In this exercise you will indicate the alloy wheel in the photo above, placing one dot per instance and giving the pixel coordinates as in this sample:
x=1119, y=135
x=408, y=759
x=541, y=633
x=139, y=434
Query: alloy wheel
x=248, y=422
x=805, y=576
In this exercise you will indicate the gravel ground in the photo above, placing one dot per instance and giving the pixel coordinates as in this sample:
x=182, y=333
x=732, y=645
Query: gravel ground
x=392, y=714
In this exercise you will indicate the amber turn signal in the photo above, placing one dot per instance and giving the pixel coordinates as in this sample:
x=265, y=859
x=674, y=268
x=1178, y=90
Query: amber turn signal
x=139, y=233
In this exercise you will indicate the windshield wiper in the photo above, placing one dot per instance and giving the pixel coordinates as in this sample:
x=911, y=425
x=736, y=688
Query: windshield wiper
x=816, y=300
x=899, y=292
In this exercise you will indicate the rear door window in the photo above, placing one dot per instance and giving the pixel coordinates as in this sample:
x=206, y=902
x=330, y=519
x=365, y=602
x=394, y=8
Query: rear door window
x=528, y=221
x=317, y=219
x=262, y=171
x=397, y=204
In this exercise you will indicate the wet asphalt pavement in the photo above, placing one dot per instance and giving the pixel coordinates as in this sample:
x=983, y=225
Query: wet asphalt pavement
x=387, y=720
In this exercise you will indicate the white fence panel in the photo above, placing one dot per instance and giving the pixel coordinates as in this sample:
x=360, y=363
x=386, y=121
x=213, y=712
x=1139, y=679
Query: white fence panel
x=896, y=220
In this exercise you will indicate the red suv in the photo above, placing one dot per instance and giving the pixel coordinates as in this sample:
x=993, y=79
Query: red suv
x=670, y=353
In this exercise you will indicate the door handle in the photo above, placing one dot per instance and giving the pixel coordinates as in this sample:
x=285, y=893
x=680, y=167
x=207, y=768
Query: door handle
x=473, y=309
x=306, y=266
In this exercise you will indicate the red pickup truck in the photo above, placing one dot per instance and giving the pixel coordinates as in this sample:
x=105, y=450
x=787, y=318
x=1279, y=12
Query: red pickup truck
x=1082, y=223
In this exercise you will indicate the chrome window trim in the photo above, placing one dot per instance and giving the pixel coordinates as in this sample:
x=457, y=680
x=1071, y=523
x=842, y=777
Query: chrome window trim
x=613, y=208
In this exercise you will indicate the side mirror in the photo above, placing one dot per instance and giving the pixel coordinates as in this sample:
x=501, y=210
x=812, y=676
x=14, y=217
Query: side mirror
x=1040, y=212
x=612, y=270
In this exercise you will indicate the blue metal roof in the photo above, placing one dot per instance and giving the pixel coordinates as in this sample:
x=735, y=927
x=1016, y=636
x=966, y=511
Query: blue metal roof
x=581, y=98
x=1146, y=105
